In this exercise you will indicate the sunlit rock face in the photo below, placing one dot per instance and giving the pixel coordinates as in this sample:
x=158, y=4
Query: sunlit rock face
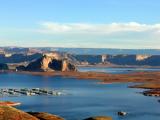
x=51, y=62
x=45, y=60
x=10, y=113
x=67, y=66
x=142, y=57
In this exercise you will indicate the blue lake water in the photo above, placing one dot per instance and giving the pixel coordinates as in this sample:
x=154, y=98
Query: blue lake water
x=115, y=70
x=86, y=98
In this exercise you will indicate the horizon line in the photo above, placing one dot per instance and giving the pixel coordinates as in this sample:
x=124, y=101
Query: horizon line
x=79, y=47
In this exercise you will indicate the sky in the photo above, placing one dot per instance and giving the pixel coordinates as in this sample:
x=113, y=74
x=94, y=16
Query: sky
x=123, y=24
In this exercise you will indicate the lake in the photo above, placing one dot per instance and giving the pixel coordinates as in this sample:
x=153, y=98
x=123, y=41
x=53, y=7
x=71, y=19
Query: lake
x=86, y=98
x=113, y=70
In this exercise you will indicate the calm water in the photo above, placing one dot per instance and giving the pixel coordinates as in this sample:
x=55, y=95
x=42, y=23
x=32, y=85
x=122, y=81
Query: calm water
x=86, y=98
x=116, y=70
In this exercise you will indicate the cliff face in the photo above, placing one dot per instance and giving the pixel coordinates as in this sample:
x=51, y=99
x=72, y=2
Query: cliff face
x=51, y=63
x=139, y=60
x=17, y=58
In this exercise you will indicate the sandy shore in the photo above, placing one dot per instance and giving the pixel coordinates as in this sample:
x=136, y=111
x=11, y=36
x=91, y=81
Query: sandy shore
x=9, y=103
x=149, y=77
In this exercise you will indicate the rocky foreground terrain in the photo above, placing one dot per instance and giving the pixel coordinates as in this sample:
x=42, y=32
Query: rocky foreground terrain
x=10, y=113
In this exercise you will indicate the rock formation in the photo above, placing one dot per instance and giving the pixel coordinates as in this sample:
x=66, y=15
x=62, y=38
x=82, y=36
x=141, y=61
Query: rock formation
x=50, y=62
x=121, y=59
x=10, y=113
x=18, y=58
x=142, y=57
x=45, y=116
x=99, y=118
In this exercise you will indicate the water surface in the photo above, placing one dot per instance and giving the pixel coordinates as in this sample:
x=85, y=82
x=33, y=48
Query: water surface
x=86, y=98
x=115, y=70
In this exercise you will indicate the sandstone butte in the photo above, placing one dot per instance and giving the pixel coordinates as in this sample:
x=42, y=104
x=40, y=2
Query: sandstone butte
x=49, y=63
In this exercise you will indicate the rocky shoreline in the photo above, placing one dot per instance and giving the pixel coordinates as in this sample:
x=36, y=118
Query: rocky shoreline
x=7, y=112
x=137, y=77
x=153, y=89
x=11, y=113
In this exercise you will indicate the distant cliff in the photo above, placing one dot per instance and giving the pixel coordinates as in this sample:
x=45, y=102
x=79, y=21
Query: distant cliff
x=140, y=60
x=135, y=60
x=17, y=58
x=49, y=62
x=64, y=58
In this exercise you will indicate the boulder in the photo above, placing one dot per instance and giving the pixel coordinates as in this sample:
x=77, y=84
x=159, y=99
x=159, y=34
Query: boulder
x=122, y=113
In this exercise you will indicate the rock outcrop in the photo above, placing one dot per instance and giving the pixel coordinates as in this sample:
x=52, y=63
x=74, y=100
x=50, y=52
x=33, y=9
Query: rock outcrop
x=51, y=62
x=99, y=118
x=142, y=57
x=10, y=113
x=3, y=66
x=45, y=116
x=9, y=103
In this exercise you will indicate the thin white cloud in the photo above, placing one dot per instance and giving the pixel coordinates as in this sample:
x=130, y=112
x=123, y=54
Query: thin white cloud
x=51, y=27
x=114, y=35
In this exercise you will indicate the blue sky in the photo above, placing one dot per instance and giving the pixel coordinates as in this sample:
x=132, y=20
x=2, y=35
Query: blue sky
x=80, y=23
